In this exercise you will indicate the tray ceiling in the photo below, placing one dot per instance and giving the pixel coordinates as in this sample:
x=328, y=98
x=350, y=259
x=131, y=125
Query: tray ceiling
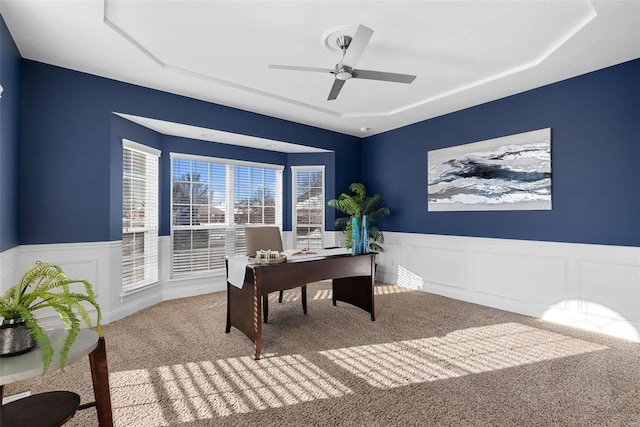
x=463, y=52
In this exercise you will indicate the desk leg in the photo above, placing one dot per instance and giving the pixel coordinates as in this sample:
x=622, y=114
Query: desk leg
x=227, y=329
x=100, y=377
x=257, y=314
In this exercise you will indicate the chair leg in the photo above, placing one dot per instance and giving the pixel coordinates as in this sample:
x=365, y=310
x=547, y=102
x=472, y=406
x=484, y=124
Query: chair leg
x=304, y=299
x=265, y=308
x=280, y=296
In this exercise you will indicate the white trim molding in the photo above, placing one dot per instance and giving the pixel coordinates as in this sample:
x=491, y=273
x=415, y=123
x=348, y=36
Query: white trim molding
x=593, y=287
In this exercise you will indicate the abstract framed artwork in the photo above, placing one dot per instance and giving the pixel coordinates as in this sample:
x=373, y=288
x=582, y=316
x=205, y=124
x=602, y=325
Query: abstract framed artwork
x=507, y=173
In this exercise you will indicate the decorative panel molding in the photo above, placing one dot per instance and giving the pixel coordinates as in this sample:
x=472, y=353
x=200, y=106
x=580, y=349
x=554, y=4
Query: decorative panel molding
x=447, y=267
x=527, y=278
x=594, y=287
x=602, y=284
x=9, y=273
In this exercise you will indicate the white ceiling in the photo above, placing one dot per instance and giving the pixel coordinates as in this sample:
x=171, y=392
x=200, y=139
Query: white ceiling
x=464, y=52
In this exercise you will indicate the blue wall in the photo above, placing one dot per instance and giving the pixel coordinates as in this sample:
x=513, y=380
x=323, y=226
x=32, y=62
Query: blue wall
x=9, y=140
x=72, y=149
x=595, y=126
x=61, y=153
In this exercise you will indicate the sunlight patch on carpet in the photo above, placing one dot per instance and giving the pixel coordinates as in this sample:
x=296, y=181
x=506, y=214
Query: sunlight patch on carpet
x=459, y=353
x=208, y=389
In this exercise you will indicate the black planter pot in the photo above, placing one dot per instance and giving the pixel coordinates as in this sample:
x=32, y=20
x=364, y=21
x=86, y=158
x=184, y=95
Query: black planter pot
x=15, y=338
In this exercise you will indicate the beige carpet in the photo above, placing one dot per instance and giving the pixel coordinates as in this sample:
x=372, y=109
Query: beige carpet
x=426, y=361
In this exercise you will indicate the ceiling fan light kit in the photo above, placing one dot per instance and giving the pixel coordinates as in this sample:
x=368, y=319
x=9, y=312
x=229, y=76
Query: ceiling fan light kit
x=351, y=48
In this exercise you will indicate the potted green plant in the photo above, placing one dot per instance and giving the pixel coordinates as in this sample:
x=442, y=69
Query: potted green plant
x=46, y=285
x=357, y=205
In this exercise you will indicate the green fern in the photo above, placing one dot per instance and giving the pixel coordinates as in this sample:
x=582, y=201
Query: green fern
x=357, y=205
x=46, y=285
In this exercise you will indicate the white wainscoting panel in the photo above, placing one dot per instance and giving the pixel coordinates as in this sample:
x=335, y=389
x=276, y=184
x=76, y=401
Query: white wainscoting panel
x=86, y=261
x=97, y=262
x=601, y=286
x=9, y=273
x=594, y=287
x=540, y=280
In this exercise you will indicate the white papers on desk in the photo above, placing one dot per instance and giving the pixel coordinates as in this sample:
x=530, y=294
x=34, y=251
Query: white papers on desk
x=321, y=253
x=237, y=269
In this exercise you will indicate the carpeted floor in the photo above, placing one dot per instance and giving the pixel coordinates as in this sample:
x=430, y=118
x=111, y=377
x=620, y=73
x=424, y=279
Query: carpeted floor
x=426, y=361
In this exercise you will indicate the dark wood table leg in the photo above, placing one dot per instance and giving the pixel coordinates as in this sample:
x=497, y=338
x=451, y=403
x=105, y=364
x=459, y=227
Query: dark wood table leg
x=257, y=318
x=228, y=328
x=265, y=309
x=304, y=299
x=100, y=377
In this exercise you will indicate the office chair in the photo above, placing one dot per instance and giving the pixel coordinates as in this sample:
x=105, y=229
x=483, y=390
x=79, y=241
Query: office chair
x=268, y=238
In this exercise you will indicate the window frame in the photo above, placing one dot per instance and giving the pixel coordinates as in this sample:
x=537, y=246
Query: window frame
x=229, y=225
x=152, y=224
x=294, y=210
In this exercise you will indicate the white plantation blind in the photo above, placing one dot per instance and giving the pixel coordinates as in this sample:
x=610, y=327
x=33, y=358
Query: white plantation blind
x=139, y=215
x=211, y=202
x=308, y=206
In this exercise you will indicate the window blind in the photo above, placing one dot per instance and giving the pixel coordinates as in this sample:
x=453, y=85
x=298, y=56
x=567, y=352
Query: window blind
x=308, y=215
x=139, y=216
x=212, y=201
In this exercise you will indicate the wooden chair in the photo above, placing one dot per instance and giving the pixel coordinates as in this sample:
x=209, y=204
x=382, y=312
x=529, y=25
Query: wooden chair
x=268, y=238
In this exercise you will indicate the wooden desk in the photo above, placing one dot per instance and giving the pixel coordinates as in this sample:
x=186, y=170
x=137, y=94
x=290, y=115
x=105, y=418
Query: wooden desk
x=28, y=365
x=353, y=278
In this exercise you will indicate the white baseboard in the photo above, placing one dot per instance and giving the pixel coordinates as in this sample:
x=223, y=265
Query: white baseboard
x=593, y=287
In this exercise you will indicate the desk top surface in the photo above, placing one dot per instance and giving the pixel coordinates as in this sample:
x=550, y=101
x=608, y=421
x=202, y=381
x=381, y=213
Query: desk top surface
x=318, y=254
x=28, y=365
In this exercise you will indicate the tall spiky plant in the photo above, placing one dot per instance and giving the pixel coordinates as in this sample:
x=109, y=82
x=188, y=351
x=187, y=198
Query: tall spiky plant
x=46, y=285
x=357, y=205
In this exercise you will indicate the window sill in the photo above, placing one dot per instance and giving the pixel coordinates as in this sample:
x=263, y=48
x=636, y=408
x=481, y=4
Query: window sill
x=187, y=277
x=134, y=290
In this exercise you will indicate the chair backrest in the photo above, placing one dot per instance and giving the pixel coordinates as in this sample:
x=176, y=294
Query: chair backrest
x=263, y=238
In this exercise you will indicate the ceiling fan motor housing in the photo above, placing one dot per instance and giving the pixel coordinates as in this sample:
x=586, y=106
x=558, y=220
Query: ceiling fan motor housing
x=343, y=42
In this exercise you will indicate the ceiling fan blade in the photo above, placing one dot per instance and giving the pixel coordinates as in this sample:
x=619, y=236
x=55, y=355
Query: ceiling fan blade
x=335, y=89
x=358, y=44
x=384, y=76
x=295, y=68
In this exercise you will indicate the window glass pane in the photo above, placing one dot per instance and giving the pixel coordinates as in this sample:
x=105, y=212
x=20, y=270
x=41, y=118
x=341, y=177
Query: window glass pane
x=257, y=176
x=206, y=223
x=269, y=215
x=241, y=174
x=255, y=216
x=181, y=170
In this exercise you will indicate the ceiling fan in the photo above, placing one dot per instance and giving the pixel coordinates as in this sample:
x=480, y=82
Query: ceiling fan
x=352, y=48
